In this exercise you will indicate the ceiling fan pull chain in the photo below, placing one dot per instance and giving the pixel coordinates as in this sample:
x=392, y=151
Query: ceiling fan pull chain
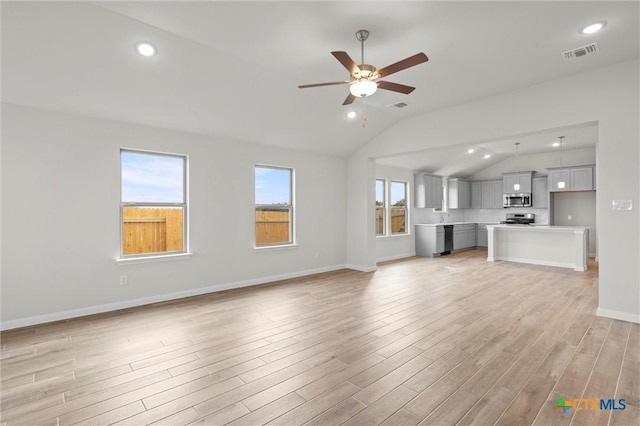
x=364, y=116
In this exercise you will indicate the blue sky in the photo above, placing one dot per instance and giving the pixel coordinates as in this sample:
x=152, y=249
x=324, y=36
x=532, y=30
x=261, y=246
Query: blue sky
x=159, y=178
x=272, y=185
x=396, y=189
x=152, y=178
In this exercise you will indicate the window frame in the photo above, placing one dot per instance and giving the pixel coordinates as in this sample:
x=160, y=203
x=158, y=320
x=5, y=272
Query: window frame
x=387, y=209
x=405, y=208
x=183, y=205
x=384, y=208
x=291, y=208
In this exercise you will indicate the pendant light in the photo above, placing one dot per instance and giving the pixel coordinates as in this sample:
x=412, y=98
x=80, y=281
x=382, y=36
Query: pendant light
x=516, y=186
x=561, y=183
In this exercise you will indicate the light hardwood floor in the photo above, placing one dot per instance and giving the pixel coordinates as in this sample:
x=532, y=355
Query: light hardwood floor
x=453, y=340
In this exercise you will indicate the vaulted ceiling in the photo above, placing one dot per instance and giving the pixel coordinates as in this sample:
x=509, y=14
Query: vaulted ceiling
x=231, y=69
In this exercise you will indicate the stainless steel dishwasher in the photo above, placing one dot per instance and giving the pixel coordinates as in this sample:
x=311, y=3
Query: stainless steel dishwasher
x=448, y=239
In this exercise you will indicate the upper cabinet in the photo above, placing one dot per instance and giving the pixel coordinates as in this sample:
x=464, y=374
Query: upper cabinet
x=517, y=182
x=459, y=194
x=476, y=195
x=427, y=191
x=574, y=178
x=486, y=194
x=540, y=193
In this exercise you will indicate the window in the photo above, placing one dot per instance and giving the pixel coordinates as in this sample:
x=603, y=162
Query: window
x=392, y=216
x=153, y=203
x=380, y=207
x=274, y=206
x=398, y=207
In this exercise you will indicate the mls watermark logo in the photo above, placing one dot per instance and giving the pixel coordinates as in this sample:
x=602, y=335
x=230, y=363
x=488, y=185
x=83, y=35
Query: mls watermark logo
x=589, y=404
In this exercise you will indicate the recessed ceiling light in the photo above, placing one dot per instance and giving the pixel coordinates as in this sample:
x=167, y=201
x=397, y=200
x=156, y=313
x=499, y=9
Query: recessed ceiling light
x=592, y=28
x=470, y=151
x=555, y=144
x=351, y=114
x=146, y=48
x=487, y=156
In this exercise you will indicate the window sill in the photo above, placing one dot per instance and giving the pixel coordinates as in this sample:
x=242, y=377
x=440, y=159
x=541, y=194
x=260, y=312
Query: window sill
x=152, y=259
x=382, y=237
x=278, y=247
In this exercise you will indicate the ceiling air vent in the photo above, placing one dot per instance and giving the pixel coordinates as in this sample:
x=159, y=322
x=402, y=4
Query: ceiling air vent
x=581, y=51
x=400, y=105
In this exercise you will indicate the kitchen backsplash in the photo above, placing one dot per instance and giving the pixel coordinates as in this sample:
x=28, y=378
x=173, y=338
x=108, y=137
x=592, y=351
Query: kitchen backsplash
x=428, y=216
x=477, y=215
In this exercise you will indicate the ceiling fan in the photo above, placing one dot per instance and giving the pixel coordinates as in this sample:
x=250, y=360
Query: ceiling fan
x=364, y=77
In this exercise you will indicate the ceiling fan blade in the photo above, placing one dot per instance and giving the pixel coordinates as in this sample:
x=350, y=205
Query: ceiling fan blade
x=349, y=100
x=395, y=87
x=346, y=60
x=333, y=83
x=403, y=64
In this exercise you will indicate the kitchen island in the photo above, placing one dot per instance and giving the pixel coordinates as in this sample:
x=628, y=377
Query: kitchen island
x=562, y=246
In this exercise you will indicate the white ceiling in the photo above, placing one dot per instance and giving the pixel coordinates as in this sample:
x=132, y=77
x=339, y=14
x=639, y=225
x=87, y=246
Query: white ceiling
x=231, y=69
x=457, y=161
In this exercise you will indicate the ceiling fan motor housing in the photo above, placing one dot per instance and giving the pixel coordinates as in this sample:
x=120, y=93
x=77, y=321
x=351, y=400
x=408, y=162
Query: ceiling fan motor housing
x=364, y=71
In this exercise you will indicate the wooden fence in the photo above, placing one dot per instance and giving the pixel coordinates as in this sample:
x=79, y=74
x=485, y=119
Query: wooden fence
x=272, y=227
x=154, y=230
x=151, y=230
x=398, y=225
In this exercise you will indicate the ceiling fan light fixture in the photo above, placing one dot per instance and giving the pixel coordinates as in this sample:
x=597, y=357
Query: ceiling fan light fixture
x=363, y=88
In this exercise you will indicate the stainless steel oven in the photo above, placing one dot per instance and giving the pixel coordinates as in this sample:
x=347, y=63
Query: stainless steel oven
x=516, y=200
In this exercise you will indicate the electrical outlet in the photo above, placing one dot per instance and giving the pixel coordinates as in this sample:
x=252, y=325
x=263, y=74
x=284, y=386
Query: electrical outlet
x=569, y=217
x=317, y=254
x=124, y=280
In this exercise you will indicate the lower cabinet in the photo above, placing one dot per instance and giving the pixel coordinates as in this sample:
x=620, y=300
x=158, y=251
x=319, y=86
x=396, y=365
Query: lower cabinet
x=464, y=236
x=429, y=240
x=482, y=239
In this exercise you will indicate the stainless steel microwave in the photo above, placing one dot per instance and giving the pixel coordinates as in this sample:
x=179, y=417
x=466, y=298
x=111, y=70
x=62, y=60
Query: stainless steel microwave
x=516, y=200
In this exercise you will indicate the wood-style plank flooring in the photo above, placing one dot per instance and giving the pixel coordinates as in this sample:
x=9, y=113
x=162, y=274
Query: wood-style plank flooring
x=452, y=340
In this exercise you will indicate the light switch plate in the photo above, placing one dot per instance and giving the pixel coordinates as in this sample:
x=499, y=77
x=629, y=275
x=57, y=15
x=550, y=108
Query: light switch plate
x=622, y=204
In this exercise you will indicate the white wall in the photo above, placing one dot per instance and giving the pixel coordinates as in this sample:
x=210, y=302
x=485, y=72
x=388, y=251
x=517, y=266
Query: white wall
x=538, y=162
x=581, y=207
x=612, y=101
x=397, y=246
x=60, y=216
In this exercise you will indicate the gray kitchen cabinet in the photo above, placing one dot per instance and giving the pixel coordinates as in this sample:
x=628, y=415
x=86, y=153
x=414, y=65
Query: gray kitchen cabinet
x=476, y=195
x=427, y=191
x=482, y=239
x=497, y=194
x=575, y=178
x=582, y=179
x=429, y=240
x=559, y=180
x=540, y=193
x=464, y=236
x=520, y=178
x=487, y=195
x=459, y=194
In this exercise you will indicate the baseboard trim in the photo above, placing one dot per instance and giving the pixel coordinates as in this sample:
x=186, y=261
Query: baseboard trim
x=396, y=257
x=575, y=267
x=623, y=316
x=99, y=309
x=362, y=268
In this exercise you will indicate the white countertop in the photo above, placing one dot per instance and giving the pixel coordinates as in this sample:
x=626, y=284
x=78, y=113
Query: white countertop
x=543, y=228
x=455, y=223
